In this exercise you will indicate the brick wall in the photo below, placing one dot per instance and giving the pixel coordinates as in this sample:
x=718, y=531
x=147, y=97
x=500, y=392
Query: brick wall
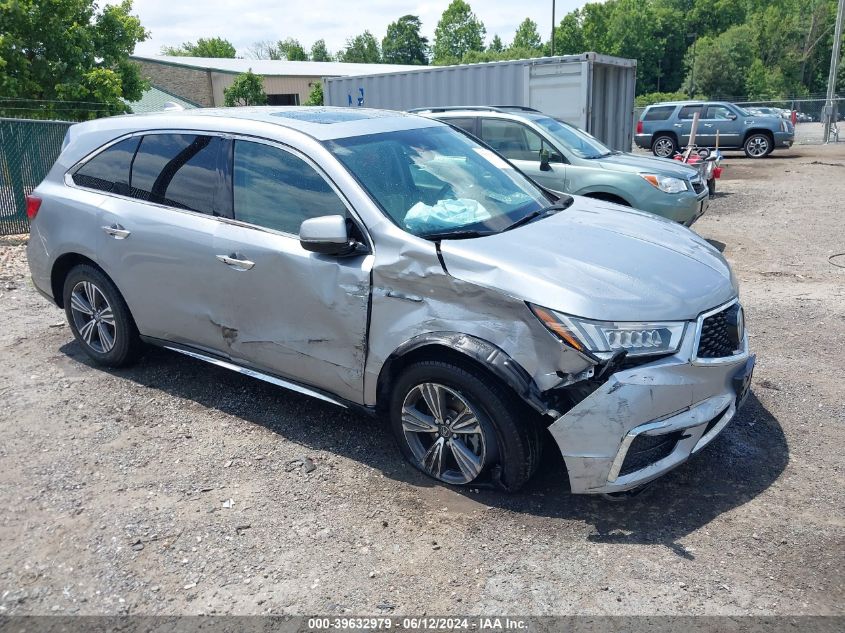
x=189, y=83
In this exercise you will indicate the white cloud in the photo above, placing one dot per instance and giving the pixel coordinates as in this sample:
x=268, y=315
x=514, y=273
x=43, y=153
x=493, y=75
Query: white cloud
x=172, y=22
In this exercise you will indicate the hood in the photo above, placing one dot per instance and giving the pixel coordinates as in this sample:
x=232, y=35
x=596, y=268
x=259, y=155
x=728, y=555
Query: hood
x=651, y=164
x=600, y=261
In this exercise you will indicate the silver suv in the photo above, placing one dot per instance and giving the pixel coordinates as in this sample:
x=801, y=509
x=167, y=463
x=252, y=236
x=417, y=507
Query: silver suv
x=389, y=263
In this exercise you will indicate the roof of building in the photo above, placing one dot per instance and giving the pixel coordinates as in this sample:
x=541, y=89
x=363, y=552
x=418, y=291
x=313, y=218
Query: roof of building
x=157, y=99
x=275, y=67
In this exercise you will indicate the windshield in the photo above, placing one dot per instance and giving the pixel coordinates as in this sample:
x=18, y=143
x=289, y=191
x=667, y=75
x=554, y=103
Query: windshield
x=577, y=141
x=436, y=180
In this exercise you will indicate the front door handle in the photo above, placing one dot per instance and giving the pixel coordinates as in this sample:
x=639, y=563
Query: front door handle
x=236, y=261
x=116, y=231
x=679, y=125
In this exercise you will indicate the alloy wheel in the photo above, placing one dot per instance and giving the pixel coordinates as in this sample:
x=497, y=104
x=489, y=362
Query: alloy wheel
x=758, y=146
x=93, y=317
x=444, y=433
x=663, y=147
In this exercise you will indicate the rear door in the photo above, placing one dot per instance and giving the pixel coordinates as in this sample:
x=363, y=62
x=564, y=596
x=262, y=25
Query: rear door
x=288, y=311
x=683, y=126
x=522, y=146
x=157, y=241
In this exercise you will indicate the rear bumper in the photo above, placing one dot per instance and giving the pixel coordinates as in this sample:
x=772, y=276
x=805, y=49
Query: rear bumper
x=688, y=403
x=784, y=139
x=643, y=140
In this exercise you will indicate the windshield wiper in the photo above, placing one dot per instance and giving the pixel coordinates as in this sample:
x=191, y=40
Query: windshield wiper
x=455, y=234
x=544, y=212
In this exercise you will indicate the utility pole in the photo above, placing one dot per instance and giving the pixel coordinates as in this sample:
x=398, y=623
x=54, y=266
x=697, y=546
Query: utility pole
x=831, y=80
x=553, y=28
x=694, y=37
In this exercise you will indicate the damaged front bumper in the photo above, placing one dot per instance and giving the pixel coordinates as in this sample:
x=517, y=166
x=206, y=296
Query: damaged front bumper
x=644, y=421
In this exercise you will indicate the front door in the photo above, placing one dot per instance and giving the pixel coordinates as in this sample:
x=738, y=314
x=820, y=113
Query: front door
x=719, y=120
x=522, y=146
x=285, y=310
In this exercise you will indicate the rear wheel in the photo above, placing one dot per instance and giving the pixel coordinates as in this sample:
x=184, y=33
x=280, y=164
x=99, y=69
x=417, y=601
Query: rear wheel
x=664, y=146
x=460, y=426
x=99, y=318
x=758, y=146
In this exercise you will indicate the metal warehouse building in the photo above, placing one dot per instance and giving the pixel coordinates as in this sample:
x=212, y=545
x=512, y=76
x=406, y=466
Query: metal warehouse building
x=201, y=80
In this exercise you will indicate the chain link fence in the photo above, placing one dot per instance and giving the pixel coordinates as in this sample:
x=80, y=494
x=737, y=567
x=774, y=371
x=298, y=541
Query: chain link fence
x=28, y=149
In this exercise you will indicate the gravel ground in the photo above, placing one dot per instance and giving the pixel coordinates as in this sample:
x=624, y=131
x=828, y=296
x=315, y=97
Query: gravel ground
x=175, y=487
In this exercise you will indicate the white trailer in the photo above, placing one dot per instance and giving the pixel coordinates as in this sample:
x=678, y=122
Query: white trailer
x=594, y=92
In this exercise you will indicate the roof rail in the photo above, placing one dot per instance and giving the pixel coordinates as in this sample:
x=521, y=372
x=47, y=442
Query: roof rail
x=496, y=108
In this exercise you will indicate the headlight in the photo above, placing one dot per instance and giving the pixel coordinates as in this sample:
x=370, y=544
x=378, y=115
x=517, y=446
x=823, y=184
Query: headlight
x=665, y=183
x=601, y=337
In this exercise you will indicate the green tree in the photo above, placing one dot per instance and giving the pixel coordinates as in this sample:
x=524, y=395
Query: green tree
x=527, y=36
x=315, y=98
x=67, y=50
x=569, y=35
x=205, y=47
x=291, y=50
x=403, y=43
x=246, y=90
x=496, y=45
x=721, y=64
x=319, y=53
x=458, y=32
x=361, y=49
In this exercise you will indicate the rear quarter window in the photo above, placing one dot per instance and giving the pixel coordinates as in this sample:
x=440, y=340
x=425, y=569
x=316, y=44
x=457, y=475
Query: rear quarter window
x=109, y=170
x=658, y=113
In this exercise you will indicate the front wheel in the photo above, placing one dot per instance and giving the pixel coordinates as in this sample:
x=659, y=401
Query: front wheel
x=460, y=426
x=758, y=146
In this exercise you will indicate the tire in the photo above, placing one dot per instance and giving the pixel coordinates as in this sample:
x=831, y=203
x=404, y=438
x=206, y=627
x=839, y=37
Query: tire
x=664, y=146
x=482, y=419
x=758, y=145
x=106, y=332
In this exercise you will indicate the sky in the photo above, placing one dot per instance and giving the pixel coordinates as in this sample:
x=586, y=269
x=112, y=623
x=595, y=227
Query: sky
x=172, y=22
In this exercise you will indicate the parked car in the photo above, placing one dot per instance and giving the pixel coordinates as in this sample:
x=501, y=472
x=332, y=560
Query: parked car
x=389, y=263
x=566, y=159
x=665, y=127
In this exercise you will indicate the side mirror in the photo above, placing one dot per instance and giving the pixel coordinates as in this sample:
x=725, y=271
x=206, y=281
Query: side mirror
x=544, y=160
x=327, y=235
x=731, y=116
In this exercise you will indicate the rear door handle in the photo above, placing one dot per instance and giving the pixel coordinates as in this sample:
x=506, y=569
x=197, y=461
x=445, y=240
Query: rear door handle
x=235, y=262
x=116, y=231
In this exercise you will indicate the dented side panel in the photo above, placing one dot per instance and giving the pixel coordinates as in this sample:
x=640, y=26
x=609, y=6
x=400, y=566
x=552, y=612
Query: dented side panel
x=296, y=314
x=413, y=295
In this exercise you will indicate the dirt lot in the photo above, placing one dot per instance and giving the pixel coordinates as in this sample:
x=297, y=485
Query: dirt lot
x=177, y=487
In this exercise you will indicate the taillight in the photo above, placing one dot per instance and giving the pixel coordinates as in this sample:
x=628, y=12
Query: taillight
x=639, y=127
x=32, y=205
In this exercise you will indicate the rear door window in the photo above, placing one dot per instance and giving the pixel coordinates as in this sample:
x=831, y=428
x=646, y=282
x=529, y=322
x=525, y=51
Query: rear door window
x=277, y=190
x=109, y=170
x=658, y=113
x=177, y=170
x=688, y=112
x=467, y=124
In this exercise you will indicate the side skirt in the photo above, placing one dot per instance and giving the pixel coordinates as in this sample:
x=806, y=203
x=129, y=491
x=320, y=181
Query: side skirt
x=253, y=373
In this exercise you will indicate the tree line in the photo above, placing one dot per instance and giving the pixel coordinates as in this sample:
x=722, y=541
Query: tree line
x=762, y=49
x=74, y=52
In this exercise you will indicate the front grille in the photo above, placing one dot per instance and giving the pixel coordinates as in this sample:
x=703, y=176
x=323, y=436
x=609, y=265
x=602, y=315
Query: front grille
x=721, y=333
x=697, y=186
x=648, y=449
